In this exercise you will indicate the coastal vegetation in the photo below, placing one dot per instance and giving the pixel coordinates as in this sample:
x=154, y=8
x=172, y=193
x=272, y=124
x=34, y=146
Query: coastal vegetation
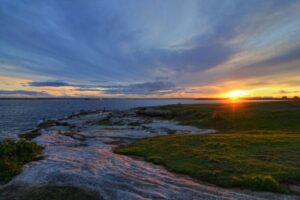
x=270, y=116
x=29, y=135
x=257, y=146
x=15, y=154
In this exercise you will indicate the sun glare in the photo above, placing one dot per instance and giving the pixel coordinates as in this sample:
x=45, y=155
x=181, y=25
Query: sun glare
x=237, y=94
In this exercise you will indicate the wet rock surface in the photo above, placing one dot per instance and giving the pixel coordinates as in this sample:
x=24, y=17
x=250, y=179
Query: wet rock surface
x=78, y=156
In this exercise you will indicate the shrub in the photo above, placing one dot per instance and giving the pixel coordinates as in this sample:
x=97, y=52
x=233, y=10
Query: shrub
x=13, y=155
x=259, y=182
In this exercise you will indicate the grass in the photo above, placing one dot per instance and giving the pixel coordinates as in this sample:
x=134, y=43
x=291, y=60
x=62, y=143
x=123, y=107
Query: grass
x=13, y=155
x=239, y=116
x=258, y=148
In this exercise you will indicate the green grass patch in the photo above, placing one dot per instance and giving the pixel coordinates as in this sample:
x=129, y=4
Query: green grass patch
x=13, y=155
x=258, y=148
x=283, y=115
x=261, y=161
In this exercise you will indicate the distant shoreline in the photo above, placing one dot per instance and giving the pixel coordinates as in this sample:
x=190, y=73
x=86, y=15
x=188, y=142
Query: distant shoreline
x=83, y=98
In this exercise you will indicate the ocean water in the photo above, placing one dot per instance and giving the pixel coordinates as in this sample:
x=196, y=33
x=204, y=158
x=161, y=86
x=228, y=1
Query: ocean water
x=21, y=115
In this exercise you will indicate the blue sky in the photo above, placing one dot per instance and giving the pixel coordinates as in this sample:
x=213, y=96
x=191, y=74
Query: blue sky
x=149, y=48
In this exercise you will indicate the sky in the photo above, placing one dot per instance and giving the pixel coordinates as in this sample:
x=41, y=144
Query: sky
x=157, y=48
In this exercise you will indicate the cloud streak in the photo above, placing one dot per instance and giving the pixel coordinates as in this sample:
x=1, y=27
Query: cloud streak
x=160, y=87
x=48, y=84
x=148, y=88
x=23, y=93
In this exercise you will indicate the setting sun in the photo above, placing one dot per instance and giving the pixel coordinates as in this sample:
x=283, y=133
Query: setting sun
x=237, y=94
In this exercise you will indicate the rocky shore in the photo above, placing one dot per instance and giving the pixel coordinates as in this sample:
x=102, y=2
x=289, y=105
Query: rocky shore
x=79, y=163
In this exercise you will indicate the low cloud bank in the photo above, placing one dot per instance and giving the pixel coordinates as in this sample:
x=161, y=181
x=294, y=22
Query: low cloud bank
x=23, y=93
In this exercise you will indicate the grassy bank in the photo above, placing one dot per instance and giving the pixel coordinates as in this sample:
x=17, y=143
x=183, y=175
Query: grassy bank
x=13, y=155
x=283, y=115
x=258, y=146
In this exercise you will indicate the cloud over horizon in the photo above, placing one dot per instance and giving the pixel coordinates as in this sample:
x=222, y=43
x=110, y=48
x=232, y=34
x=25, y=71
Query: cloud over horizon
x=48, y=84
x=23, y=93
x=199, y=47
x=157, y=87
